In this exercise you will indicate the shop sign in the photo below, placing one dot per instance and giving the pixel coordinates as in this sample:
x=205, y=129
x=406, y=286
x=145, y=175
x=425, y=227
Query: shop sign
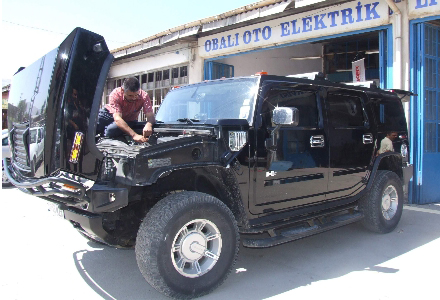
x=358, y=70
x=346, y=17
x=423, y=8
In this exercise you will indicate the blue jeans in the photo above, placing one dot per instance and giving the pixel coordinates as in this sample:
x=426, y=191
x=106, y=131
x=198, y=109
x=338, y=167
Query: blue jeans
x=107, y=126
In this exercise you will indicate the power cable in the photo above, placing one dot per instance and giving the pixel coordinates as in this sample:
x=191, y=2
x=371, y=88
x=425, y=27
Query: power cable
x=33, y=27
x=42, y=29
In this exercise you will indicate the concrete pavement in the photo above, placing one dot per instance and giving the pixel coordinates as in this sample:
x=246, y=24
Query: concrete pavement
x=42, y=256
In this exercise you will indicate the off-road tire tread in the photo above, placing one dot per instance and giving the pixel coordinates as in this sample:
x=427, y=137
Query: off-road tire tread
x=370, y=204
x=149, y=236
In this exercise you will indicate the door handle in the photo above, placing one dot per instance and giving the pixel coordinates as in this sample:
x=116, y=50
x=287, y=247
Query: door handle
x=317, y=141
x=368, y=138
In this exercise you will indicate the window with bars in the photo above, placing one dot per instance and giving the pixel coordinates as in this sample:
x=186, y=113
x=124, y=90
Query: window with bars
x=215, y=70
x=338, y=58
x=156, y=83
x=175, y=73
x=432, y=90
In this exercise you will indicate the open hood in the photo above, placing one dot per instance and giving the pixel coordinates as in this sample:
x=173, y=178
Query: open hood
x=53, y=99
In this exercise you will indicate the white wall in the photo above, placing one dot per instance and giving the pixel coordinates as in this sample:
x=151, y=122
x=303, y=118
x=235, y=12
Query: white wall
x=277, y=61
x=195, y=68
x=168, y=56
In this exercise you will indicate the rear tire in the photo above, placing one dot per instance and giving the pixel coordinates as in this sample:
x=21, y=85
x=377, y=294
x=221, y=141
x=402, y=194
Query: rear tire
x=383, y=205
x=187, y=244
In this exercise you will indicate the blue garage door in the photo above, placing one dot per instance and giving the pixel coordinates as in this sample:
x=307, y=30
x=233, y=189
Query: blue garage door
x=427, y=120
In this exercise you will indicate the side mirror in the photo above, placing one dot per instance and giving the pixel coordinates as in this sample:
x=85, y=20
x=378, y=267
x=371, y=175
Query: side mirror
x=285, y=116
x=282, y=116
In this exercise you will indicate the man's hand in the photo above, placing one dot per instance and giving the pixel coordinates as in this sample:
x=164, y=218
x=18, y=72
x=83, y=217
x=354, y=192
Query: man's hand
x=139, y=138
x=148, y=129
x=125, y=128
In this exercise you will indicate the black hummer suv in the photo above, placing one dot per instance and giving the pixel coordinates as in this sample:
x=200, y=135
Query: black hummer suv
x=270, y=159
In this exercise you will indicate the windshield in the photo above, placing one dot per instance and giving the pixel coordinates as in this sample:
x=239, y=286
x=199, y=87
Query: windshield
x=33, y=135
x=224, y=99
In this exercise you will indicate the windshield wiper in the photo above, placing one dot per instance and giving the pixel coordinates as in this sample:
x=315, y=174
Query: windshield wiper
x=188, y=121
x=159, y=122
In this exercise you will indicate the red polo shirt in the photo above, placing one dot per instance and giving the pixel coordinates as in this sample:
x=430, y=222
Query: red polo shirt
x=129, y=110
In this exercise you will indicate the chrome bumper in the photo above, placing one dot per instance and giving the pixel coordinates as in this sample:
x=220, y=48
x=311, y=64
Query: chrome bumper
x=49, y=188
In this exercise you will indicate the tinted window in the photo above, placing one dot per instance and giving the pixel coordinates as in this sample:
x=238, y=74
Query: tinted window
x=304, y=101
x=345, y=110
x=5, y=141
x=389, y=113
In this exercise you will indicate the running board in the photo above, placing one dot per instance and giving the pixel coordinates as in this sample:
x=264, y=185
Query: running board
x=313, y=226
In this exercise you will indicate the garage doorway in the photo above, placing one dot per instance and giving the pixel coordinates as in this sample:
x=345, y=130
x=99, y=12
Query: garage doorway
x=332, y=56
x=425, y=110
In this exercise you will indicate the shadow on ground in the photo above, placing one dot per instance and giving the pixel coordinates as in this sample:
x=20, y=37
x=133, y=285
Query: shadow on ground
x=263, y=273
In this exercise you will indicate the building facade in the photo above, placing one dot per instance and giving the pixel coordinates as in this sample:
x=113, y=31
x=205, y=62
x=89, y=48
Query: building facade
x=424, y=61
x=399, y=42
x=5, y=97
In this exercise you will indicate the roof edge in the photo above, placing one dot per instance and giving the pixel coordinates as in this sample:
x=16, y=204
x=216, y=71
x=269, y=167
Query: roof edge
x=246, y=8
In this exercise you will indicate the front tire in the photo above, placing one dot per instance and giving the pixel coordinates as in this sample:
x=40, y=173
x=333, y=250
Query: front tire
x=187, y=244
x=383, y=205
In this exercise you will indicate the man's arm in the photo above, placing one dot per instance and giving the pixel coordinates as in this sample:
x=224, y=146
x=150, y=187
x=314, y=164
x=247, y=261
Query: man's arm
x=125, y=128
x=151, y=120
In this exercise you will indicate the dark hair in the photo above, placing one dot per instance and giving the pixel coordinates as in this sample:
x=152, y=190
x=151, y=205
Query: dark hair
x=131, y=84
x=391, y=132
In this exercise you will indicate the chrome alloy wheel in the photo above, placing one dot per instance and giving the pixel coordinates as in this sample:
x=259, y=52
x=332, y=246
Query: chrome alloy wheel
x=196, y=248
x=390, y=201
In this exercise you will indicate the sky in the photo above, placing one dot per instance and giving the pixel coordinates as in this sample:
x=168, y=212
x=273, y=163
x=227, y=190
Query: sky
x=32, y=28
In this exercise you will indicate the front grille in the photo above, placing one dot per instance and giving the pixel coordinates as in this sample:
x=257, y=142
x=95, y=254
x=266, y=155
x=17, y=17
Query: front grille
x=20, y=147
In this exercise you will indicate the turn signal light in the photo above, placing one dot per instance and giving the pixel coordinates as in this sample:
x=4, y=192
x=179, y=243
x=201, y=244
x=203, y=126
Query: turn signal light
x=76, y=147
x=68, y=186
x=260, y=73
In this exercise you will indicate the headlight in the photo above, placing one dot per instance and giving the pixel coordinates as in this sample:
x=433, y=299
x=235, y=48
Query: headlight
x=404, y=150
x=237, y=140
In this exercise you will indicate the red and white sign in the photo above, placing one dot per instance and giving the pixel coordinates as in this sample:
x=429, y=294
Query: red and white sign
x=358, y=69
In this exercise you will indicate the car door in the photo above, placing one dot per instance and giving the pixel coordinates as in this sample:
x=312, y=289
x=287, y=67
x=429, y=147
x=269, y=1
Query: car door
x=351, y=142
x=292, y=161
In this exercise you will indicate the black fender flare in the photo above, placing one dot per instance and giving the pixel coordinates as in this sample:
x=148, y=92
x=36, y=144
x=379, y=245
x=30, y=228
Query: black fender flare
x=386, y=161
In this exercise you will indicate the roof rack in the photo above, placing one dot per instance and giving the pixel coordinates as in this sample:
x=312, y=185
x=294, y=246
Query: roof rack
x=312, y=75
x=367, y=84
x=402, y=92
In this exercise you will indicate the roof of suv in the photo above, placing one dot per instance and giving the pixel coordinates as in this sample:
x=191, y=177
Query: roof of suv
x=318, y=81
